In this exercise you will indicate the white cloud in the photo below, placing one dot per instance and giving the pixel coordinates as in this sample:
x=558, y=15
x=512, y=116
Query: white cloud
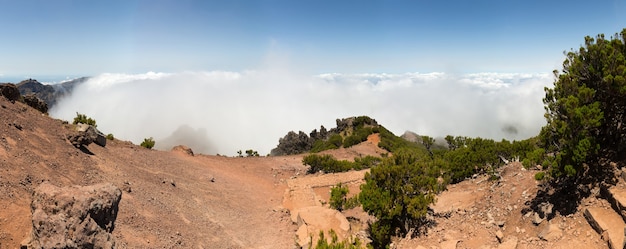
x=222, y=112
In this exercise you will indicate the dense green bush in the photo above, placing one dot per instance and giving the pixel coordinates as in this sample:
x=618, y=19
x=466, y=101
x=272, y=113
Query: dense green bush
x=338, y=198
x=585, y=109
x=251, y=152
x=82, y=118
x=392, y=143
x=398, y=192
x=334, y=142
x=328, y=163
x=110, y=136
x=359, y=135
x=148, y=143
x=540, y=175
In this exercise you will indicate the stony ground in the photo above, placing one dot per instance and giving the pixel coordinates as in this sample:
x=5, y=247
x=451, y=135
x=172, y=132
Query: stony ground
x=174, y=200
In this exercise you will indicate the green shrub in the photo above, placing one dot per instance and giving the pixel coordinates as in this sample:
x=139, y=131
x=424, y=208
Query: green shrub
x=334, y=142
x=323, y=243
x=393, y=143
x=110, y=136
x=251, y=152
x=148, y=143
x=338, y=198
x=359, y=135
x=398, y=192
x=325, y=163
x=328, y=163
x=540, y=175
x=82, y=118
x=351, y=203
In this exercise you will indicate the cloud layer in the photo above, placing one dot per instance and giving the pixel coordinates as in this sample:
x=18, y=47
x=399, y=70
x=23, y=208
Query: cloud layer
x=222, y=112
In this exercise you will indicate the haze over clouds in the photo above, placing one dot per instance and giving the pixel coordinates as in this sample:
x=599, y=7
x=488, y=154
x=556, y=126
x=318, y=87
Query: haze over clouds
x=210, y=100
x=222, y=112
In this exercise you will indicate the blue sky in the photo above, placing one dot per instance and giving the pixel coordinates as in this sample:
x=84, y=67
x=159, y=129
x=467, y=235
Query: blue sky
x=74, y=38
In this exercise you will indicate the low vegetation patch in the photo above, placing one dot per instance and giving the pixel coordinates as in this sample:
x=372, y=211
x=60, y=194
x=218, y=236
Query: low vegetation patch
x=82, y=118
x=339, y=199
x=328, y=163
x=148, y=143
x=334, y=243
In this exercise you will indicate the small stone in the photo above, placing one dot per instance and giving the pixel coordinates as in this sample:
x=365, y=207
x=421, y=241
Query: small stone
x=499, y=236
x=500, y=223
x=551, y=232
x=537, y=219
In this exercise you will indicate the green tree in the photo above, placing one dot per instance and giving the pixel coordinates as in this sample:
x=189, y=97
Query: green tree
x=428, y=143
x=397, y=192
x=148, y=143
x=586, y=108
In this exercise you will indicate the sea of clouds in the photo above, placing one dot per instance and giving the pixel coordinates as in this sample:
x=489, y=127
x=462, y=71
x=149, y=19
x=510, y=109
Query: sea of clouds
x=223, y=112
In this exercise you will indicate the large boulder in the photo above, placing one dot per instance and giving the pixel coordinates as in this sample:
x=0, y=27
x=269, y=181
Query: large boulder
x=312, y=220
x=86, y=134
x=36, y=103
x=10, y=91
x=183, y=150
x=73, y=217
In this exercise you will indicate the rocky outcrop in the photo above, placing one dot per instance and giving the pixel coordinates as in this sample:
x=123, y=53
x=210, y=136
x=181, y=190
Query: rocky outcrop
x=297, y=143
x=183, y=149
x=10, y=92
x=85, y=135
x=36, y=103
x=50, y=94
x=608, y=224
x=73, y=217
x=293, y=143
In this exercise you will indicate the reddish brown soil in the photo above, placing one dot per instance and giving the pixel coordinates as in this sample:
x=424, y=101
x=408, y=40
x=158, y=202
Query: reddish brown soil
x=182, y=201
x=172, y=203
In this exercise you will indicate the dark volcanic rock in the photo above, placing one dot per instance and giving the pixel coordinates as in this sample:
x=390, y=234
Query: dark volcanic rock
x=85, y=135
x=36, y=103
x=73, y=217
x=50, y=94
x=293, y=144
x=10, y=91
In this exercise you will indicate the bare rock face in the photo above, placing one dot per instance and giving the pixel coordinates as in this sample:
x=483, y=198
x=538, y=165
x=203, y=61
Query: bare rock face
x=312, y=220
x=73, y=217
x=183, y=149
x=36, y=103
x=10, y=91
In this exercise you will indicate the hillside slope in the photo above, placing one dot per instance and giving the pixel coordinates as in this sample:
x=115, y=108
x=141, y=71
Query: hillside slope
x=175, y=200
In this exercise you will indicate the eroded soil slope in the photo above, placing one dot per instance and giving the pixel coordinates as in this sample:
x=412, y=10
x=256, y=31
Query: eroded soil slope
x=170, y=200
